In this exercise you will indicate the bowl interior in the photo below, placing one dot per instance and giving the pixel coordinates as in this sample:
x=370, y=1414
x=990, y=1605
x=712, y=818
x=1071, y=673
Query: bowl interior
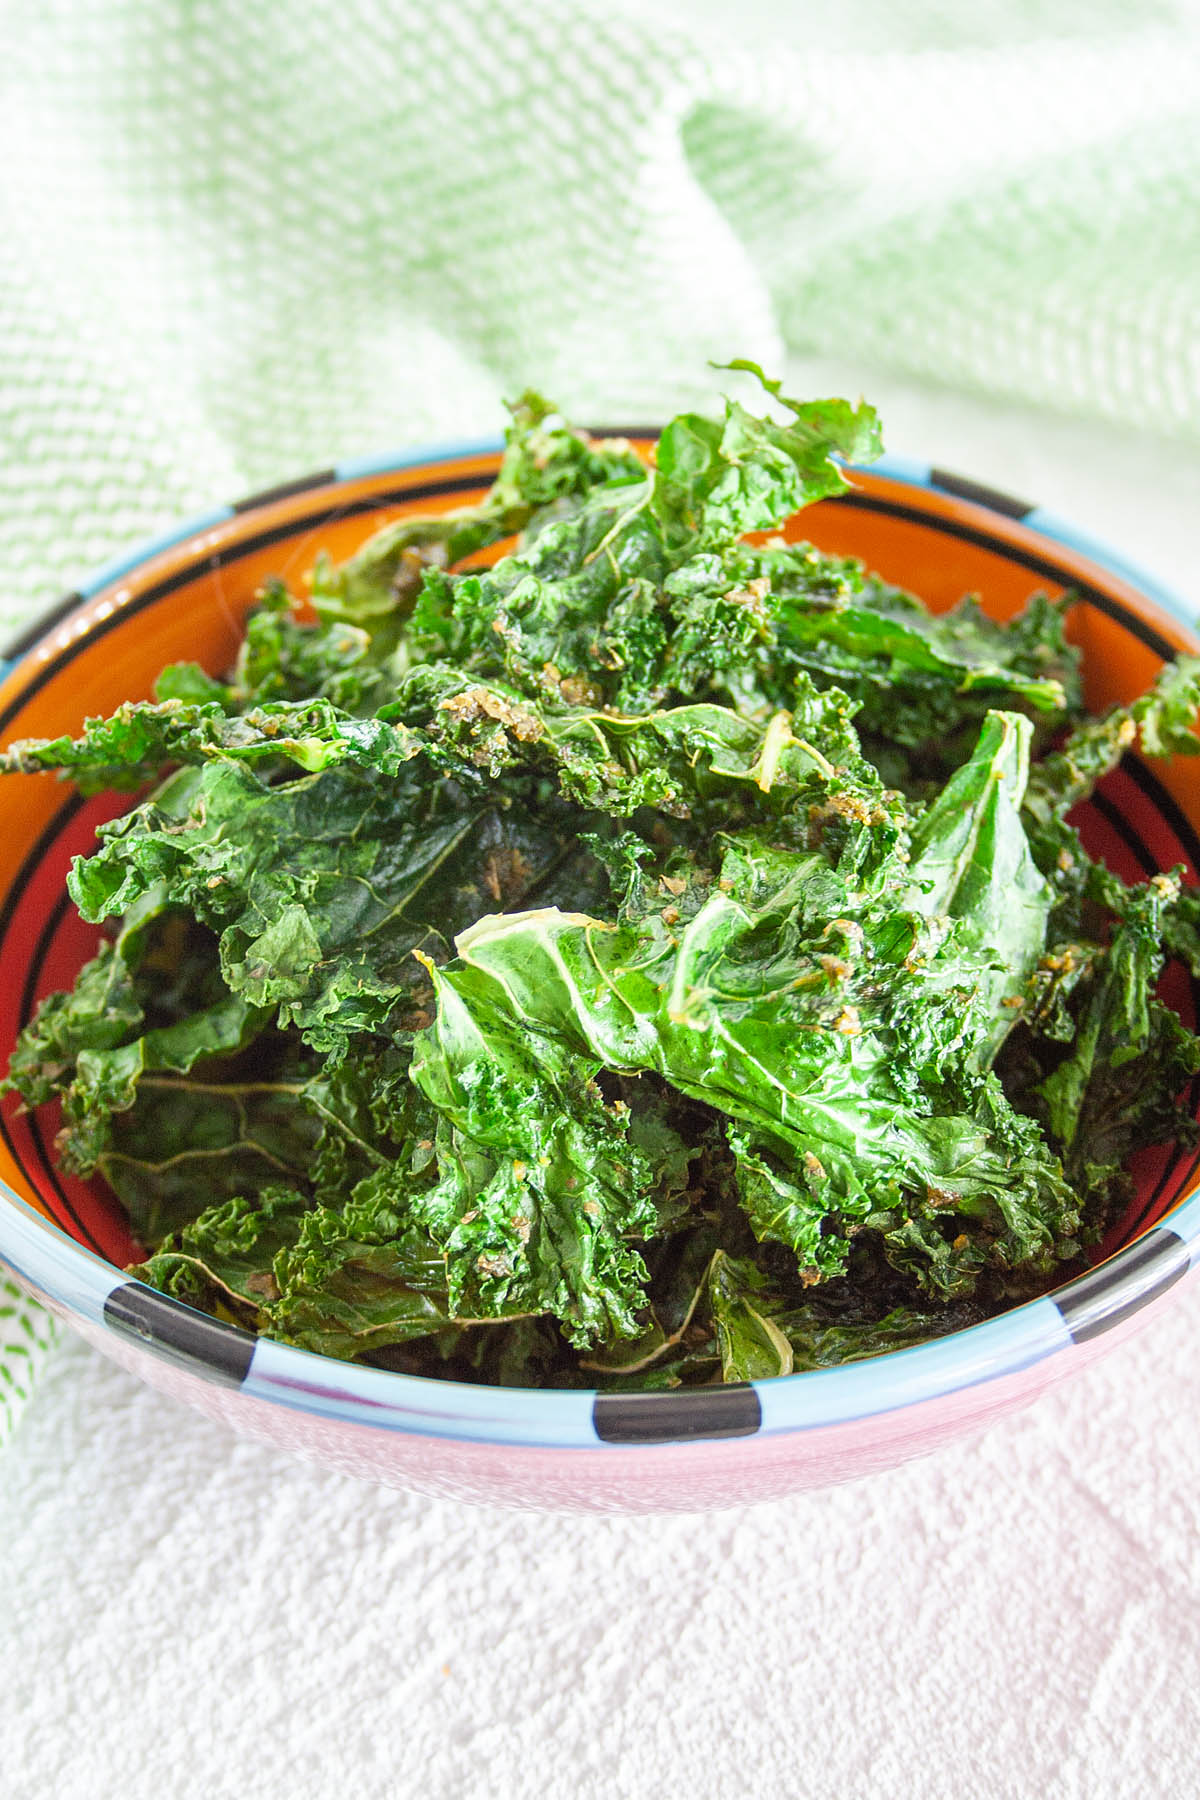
x=188, y=600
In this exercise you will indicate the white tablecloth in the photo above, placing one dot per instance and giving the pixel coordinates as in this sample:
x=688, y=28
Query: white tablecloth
x=185, y=1614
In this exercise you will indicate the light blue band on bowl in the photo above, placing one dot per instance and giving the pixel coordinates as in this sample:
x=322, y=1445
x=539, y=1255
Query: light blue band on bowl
x=1049, y=525
x=1000, y=1346
x=389, y=462
x=530, y=1418
x=128, y=560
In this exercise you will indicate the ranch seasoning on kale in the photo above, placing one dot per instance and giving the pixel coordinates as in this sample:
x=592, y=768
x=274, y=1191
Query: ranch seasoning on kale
x=656, y=956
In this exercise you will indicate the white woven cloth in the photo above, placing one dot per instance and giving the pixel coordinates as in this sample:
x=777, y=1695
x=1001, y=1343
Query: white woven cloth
x=185, y=1614
x=240, y=241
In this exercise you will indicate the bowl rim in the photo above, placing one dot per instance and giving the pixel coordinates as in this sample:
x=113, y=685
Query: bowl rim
x=78, y=1283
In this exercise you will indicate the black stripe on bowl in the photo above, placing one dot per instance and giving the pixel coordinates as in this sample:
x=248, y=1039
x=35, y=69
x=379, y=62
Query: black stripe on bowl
x=283, y=490
x=37, y=1123
x=1034, y=561
x=647, y=434
x=227, y=559
x=715, y=1412
x=57, y=824
x=1132, y=840
x=1165, y=803
x=1117, y=1290
x=37, y=628
x=179, y=1334
x=980, y=494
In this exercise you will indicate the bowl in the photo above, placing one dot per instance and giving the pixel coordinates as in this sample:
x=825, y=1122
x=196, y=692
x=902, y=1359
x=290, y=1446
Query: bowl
x=65, y=1240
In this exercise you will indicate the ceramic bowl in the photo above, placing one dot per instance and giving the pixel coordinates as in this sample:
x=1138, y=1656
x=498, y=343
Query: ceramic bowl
x=66, y=1240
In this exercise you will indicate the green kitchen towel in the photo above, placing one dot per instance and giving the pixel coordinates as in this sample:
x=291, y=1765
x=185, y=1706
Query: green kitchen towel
x=243, y=241
x=26, y=1336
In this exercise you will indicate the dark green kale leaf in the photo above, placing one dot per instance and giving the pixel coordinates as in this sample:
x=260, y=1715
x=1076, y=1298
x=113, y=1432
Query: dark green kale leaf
x=358, y=1279
x=275, y=1114
x=752, y=1346
x=746, y=1064
x=105, y=1008
x=842, y=1014
x=189, y=1142
x=341, y=1282
x=820, y=1342
x=1164, y=716
x=106, y=1082
x=221, y=1260
x=149, y=1009
x=319, y=889
x=1113, y=1084
x=747, y=621
x=679, y=761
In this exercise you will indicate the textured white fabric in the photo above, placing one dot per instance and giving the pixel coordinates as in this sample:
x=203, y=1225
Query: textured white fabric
x=27, y=1335
x=185, y=1614
x=240, y=241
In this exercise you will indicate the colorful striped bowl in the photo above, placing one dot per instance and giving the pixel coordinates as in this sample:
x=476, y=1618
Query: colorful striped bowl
x=184, y=596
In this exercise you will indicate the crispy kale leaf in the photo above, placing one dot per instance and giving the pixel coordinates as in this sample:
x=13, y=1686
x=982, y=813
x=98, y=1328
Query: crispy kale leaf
x=840, y=1010
x=659, y=956
x=546, y=462
x=319, y=889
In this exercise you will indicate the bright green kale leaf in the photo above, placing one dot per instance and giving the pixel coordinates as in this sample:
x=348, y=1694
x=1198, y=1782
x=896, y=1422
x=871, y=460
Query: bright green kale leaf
x=141, y=738
x=846, y=1034
x=971, y=862
x=541, y=1186
x=720, y=479
x=283, y=657
x=191, y=685
x=1165, y=717
x=546, y=462
x=747, y=1063
x=578, y=608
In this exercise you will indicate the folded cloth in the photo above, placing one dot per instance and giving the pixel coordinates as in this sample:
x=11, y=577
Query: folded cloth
x=244, y=248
